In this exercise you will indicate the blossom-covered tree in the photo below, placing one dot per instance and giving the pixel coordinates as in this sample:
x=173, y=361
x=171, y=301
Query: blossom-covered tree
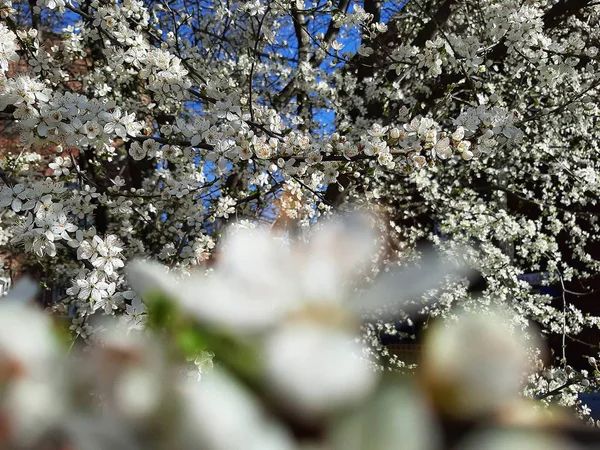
x=460, y=122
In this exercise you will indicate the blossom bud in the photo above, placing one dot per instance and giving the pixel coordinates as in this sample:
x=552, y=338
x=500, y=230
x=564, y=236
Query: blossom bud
x=585, y=383
x=380, y=27
x=394, y=133
x=592, y=360
x=467, y=155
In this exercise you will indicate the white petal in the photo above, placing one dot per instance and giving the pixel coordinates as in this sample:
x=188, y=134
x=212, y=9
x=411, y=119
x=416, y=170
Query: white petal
x=221, y=415
x=16, y=205
x=408, y=283
x=317, y=370
x=146, y=276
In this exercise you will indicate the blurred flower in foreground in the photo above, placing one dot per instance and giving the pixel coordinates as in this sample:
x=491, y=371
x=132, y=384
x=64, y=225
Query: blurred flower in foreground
x=475, y=365
x=32, y=396
x=295, y=299
x=127, y=370
x=292, y=296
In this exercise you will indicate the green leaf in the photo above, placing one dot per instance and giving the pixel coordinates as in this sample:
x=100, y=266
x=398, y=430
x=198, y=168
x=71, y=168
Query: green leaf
x=190, y=341
x=162, y=311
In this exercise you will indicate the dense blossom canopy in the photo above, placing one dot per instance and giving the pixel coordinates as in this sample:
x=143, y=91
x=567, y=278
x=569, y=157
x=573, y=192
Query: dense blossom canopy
x=458, y=122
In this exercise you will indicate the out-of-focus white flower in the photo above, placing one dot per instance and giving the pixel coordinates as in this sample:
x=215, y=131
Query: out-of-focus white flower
x=33, y=398
x=475, y=365
x=128, y=371
x=294, y=297
x=36, y=346
x=138, y=392
x=32, y=407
